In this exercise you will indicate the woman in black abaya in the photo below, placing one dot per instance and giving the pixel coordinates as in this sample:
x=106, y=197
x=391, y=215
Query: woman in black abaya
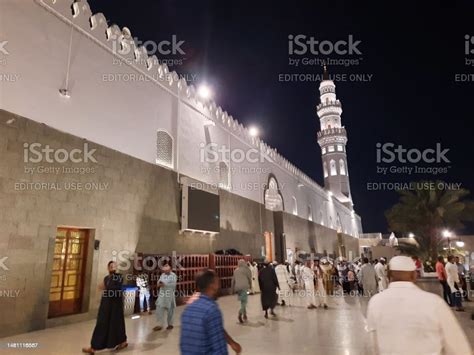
x=268, y=282
x=109, y=330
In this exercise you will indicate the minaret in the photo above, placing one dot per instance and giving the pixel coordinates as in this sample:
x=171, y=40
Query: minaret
x=333, y=138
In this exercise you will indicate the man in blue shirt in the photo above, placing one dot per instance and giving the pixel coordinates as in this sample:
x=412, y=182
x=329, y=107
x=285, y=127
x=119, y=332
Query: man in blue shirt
x=202, y=326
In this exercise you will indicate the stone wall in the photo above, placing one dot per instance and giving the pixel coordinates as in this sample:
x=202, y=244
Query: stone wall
x=127, y=204
x=310, y=237
x=123, y=114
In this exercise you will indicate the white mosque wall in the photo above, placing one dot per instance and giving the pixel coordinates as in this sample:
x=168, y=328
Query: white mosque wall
x=125, y=115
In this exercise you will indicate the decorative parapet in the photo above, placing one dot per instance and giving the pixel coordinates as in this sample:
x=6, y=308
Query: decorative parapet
x=120, y=43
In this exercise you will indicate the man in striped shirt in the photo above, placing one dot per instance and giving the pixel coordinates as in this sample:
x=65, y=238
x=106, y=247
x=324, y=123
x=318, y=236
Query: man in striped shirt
x=202, y=326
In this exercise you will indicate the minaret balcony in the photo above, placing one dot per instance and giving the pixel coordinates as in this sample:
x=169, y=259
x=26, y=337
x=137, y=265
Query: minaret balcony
x=333, y=107
x=330, y=103
x=332, y=132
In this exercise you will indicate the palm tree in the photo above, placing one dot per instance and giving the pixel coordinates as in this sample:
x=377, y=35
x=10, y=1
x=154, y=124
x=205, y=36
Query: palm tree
x=426, y=210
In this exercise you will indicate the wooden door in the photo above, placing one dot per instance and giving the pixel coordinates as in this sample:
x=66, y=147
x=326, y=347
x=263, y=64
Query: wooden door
x=67, y=279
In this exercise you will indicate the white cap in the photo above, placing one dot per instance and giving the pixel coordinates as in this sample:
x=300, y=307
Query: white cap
x=402, y=263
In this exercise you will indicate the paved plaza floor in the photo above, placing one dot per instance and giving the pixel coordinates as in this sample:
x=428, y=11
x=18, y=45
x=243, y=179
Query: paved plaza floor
x=338, y=330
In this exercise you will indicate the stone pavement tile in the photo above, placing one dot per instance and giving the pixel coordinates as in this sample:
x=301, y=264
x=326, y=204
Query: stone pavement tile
x=296, y=330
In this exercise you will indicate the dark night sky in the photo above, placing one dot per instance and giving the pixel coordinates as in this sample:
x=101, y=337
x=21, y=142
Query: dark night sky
x=412, y=52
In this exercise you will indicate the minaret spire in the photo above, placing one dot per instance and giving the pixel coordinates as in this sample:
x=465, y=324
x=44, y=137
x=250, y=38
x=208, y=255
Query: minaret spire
x=325, y=72
x=333, y=138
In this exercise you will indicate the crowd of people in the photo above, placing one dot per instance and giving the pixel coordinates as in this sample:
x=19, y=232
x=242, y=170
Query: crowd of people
x=400, y=316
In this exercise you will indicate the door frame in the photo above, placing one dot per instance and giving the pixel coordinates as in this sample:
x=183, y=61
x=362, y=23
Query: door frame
x=85, y=273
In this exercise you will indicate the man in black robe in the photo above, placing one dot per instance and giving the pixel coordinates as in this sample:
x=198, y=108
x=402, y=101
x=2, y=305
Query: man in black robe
x=268, y=282
x=109, y=330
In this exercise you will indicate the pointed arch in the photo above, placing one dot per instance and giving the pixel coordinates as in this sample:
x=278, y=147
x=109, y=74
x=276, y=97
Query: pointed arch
x=272, y=196
x=342, y=167
x=332, y=166
x=295, y=206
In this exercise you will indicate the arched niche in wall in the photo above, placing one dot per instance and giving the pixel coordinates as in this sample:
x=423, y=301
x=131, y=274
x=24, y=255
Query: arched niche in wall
x=338, y=224
x=272, y=195
x=164, y=148
x=223, y=175
x=294, y=208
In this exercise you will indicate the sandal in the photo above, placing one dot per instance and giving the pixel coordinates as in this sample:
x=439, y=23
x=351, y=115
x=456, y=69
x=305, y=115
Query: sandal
x=121, y=346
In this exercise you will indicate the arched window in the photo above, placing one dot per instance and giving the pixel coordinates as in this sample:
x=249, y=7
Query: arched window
x=223, y=175
x=342, y=167
x=310, y=213
x=325, y=168
x=273, y=199
x=164, y=148
x=295, y=206
x=332, y=165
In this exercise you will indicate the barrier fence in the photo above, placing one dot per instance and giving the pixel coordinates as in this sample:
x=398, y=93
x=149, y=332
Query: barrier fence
x=186, y=267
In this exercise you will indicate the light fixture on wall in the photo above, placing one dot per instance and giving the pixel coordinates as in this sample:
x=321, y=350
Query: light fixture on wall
x=64, y=93
x=253, y=131
x=209, y=123
x=411, y=235
x=205, y=91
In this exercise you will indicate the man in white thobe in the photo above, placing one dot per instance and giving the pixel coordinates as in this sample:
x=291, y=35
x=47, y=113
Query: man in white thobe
x=453, y=283
x=254, y=270
x=381, y=273
x=307, y=276
x=283, y=277
x=320, y=291
x=166, y=298
x=298, y=270
x=407, y=320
